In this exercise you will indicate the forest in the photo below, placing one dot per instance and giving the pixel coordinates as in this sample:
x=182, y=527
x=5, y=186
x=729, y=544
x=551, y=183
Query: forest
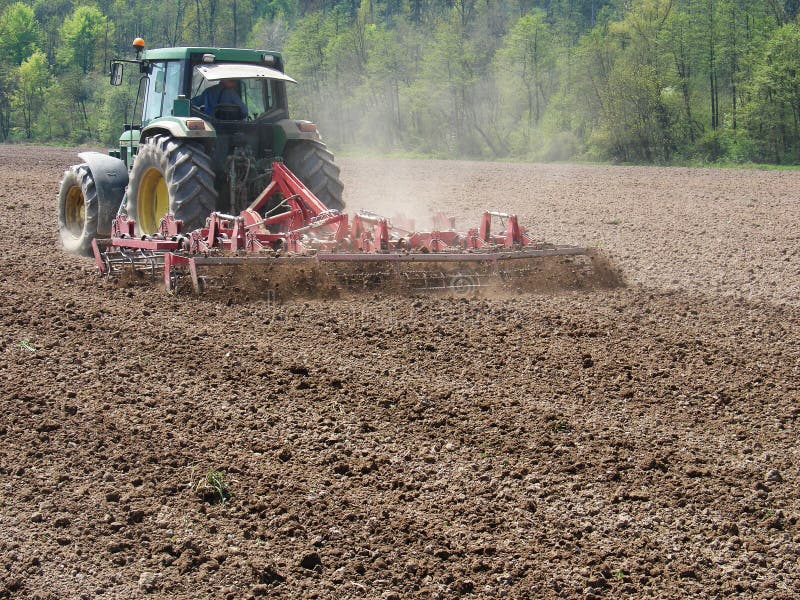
x=635, y=81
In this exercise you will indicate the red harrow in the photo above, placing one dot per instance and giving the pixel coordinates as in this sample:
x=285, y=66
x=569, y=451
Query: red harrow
x=299, y=245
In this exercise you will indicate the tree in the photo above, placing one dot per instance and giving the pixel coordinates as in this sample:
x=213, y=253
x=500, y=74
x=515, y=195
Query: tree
x=34, y=79
x=306, y=60
x=527, y=57
x=784, y=11
x=7, y=86
x=630, y=98
x=388, y=71
x=84, y=35
x=773, y=111
x=19, y=33
x=51, y=14
x=116, y=109
x=454, y=102
x=681, y=41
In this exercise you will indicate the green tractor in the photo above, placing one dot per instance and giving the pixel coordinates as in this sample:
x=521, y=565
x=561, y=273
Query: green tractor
x=208, y=124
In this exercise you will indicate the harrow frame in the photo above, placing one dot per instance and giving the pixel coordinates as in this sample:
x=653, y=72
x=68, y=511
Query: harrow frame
x=305, y=234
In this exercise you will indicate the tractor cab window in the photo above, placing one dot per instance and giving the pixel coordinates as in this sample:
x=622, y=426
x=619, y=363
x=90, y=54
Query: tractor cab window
x=155, y=92
x=163, y=86
x=172, y=87
x=257, y=94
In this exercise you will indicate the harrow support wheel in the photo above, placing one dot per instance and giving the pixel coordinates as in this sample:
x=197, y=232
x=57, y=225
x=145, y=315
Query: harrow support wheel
x=313, y=164
x=77, y=210
x=170, y=176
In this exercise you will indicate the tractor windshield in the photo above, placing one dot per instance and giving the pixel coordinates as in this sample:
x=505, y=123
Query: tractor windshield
x=255, y=96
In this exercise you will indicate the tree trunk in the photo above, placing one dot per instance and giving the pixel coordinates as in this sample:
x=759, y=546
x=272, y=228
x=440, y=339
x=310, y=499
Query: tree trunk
x=198, y=23
x=212, y=21
x=398, y=114
x=86, y=118
x=714, y=100
x=734, y=65
x=234, y=12
x=712, y=75
x=530, y=104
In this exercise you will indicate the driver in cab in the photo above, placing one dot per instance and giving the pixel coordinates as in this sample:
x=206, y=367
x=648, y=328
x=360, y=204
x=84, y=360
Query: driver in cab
x=224, y=92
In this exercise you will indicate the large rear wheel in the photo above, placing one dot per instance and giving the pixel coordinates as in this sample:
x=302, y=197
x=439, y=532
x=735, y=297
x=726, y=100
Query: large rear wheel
x=77, y=210
x=170, y=176
x=313, y=164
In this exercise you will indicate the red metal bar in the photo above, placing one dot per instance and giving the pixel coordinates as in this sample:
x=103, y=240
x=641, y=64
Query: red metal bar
x=213, y=226
x=238, y=241
x=170, y=226
x=486, y=227
x=148, y=244
x=343, y=230
x=381, y=234
x=168, y=271
x=264, y=196
x=513, y=234
x=171, y=261
x=122, y=227
x=193, y=273
x=98, y=257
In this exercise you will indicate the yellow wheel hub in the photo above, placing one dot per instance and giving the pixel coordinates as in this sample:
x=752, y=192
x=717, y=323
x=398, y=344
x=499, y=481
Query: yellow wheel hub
x=152, y=201
x=75, y=211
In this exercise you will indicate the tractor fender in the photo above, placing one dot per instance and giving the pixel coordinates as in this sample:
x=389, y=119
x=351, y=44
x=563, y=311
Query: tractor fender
x=177, y=128
x=110, y=177
x=288, y=130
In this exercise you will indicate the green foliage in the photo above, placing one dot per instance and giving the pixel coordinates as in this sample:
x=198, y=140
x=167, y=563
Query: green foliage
x=19, y=33
x=306, y=59
x=526, y=62
x=115, y=111
x=637, y=120
x=27, y=346
x=214, y=487
x=7, y=90
x=84, y=35
x=638, y=81
x=773, y=111
x=33, y=82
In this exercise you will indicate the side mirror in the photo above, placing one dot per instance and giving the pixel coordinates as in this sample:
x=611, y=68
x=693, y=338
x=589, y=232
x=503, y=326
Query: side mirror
x=116, y=73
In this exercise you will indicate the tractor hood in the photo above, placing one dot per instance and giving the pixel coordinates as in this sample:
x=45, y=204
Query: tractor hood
x=216, y=72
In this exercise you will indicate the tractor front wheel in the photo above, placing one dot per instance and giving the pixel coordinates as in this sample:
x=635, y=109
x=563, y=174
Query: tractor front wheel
x=170, y=176
x=77, y=210
x=313, y=164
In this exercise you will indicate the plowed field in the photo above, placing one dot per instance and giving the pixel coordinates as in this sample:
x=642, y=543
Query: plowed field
x=637, y=442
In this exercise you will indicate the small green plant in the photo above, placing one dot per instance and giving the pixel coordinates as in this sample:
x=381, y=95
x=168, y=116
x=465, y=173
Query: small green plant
x=561, y=426
x=619, y=575
x=26, y=345
x=214, y=487
x=614, y=221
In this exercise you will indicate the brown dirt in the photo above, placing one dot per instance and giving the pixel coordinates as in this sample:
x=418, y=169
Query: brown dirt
x=637, y=442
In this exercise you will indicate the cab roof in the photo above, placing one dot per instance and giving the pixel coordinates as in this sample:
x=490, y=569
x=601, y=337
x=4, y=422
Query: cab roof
x=226, y=54
x=218, y=71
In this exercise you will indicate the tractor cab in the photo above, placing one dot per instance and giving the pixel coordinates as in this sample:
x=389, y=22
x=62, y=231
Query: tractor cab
x=194, y=82
x=238, y=91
